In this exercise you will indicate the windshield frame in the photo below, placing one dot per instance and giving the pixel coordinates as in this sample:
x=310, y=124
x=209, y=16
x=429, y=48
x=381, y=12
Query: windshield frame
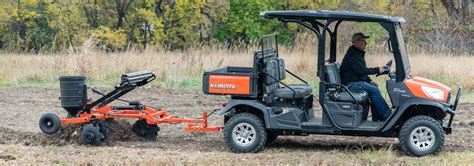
x=402, y=50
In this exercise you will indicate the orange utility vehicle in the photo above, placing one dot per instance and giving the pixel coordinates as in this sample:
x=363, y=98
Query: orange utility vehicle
x=263, y=105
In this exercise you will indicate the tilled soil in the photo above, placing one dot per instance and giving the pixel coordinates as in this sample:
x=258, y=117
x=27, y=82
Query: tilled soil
x=21, y=139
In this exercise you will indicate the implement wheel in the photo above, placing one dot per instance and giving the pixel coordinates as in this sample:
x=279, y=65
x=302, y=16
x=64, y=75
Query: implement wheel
x=104, y=128
x=49, y=123
x=91, y=135
x=145, y=130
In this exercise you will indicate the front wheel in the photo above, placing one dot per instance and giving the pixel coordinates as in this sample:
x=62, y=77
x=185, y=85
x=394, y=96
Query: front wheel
x=421, y=135
x=245, y=133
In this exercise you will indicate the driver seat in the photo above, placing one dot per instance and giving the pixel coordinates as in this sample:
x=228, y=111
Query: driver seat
x=341, y=94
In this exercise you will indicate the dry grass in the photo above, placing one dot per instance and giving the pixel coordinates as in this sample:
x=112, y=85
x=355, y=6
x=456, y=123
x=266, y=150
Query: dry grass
x=184, y=69
x=178, y=66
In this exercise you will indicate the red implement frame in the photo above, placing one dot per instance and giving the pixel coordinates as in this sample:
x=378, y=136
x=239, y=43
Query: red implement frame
x=100, y=109
x=151, y=116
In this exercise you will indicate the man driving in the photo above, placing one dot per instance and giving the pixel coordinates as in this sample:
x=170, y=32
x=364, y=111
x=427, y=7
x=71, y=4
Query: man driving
x=355, y=75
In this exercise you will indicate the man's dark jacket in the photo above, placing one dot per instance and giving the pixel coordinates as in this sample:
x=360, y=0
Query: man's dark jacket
x=353, y=67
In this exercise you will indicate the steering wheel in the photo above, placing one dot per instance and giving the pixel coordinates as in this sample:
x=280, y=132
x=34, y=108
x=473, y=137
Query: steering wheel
x=386, y=68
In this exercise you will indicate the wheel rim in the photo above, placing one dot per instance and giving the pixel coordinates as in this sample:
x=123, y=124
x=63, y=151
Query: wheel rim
x=89, y=137
x=244, y=134
x=422, y=138
x=48, y=123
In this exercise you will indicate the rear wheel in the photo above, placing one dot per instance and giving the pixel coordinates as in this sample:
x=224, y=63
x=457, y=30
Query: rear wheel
x=49, y=123
x=421, y=135
x=245, y=133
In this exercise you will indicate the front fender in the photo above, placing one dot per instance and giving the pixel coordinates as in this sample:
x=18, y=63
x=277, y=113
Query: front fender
x=393, y=119
x=258, y=105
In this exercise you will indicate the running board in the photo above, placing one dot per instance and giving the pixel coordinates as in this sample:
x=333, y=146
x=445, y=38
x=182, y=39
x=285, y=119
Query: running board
x=315, y=123
x=370, y=125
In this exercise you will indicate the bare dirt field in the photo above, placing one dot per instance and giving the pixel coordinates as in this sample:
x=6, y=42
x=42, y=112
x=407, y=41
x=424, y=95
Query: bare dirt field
x=22, y=142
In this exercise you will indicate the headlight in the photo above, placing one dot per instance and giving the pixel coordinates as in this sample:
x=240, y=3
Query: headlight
x=433, y=92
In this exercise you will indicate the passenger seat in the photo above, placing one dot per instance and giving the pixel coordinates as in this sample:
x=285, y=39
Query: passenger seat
x=282, y=74
x=272, y=87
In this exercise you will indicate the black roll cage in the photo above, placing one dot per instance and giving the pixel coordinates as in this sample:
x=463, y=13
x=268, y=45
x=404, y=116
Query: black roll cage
x=314, y=21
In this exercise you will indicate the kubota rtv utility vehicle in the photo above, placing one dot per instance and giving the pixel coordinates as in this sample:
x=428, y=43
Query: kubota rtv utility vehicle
x=262, y=106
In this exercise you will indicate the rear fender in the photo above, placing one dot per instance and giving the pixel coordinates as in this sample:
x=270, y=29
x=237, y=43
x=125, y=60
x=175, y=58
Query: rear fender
x=405, y=107
x=257, y=105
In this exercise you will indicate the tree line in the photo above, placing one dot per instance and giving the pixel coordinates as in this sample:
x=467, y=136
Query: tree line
x=117, y=25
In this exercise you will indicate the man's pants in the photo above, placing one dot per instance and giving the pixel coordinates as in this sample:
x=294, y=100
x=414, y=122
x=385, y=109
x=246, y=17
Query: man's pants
x=379, y=108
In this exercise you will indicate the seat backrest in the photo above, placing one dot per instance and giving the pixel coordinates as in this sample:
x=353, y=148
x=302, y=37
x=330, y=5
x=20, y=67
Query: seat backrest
x=271, y=68
x=275, y=68
x=332, y=73
x=281, y=69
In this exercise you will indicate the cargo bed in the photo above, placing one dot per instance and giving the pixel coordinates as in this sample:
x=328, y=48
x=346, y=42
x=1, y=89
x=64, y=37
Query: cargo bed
x=235, y=81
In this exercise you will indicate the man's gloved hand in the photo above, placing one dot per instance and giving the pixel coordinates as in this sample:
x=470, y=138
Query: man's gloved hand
x=381, y=70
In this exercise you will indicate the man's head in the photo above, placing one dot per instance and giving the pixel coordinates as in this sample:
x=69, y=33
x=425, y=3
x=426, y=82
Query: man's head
x=359, y=41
